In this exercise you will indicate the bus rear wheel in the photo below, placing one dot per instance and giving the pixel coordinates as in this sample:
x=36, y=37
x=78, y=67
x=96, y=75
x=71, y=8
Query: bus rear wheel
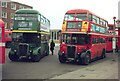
x=86, y=60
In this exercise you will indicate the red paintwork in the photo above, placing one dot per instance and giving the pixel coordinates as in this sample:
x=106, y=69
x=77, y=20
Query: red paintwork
x=119, y=38
x=81, y=11
x=8, y=38
x=2, y=43
x=109, y=43
x=95, y=49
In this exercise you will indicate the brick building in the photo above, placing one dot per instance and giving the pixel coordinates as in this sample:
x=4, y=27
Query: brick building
x=7, y=10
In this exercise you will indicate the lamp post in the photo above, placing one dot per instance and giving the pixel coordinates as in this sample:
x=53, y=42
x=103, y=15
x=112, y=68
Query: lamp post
x=118, y=27
x=114, y=41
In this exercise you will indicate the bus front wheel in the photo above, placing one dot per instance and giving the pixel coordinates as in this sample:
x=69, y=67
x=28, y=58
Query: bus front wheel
x=35, y=58
x=62, y=58
x=86, y=59
x=13, y=57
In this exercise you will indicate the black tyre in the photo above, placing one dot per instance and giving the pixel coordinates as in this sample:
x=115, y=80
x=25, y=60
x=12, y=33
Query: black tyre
x=13, y=57
x=35, y=58
x=103, y=54
x=62, y=58
x=86, y=60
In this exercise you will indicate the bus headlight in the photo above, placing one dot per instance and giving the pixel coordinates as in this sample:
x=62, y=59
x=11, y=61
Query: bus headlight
x=30, y=51
x=15, y=50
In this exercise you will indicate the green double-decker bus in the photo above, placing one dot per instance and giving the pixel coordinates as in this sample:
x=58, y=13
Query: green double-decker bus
x=30, y=36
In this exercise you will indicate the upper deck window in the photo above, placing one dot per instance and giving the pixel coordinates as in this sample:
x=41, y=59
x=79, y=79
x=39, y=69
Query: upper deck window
x=69, y=16
x=26, y=17
x=95, y=19
x=81, y=16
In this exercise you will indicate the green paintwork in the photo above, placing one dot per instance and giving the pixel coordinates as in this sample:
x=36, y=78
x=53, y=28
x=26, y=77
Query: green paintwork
x=27, y=11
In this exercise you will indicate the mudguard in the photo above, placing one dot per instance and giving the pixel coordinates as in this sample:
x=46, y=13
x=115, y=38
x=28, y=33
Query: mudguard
x=84, y=53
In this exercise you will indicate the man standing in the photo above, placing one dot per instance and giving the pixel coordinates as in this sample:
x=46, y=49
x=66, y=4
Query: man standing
x=52, y=45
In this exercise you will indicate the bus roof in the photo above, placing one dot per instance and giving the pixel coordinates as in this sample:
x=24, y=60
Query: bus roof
x=26, y=11
x=77, y=11
x=110, y=24
x=81, y=11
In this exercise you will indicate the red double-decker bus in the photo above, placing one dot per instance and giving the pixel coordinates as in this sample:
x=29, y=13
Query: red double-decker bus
x=109, y=38
x=8, y=38
x=82, y=37
x=2, y=42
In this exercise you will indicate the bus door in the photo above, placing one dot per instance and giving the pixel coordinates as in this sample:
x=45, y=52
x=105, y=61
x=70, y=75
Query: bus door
x=2, y=43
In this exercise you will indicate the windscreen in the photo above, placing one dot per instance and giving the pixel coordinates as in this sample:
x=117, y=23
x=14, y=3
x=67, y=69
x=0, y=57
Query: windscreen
x=80, y=39
x=75, y=39
x=76, y=16
x=32, y=38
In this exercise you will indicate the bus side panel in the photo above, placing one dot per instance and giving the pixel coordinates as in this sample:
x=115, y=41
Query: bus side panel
x=102, y=45
x=108, y=46
x=94, y=48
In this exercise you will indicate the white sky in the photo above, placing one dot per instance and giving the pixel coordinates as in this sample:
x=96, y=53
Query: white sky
x=54, y=10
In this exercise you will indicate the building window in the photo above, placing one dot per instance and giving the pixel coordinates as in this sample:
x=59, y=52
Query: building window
x=21, y=7
x=11, y=25
x=12, y=15
x=13, y=6
x=4, y=15
x=4, y=4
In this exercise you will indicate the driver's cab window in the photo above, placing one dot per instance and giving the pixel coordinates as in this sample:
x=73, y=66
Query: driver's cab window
x=66, y=38
x=17, y=37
